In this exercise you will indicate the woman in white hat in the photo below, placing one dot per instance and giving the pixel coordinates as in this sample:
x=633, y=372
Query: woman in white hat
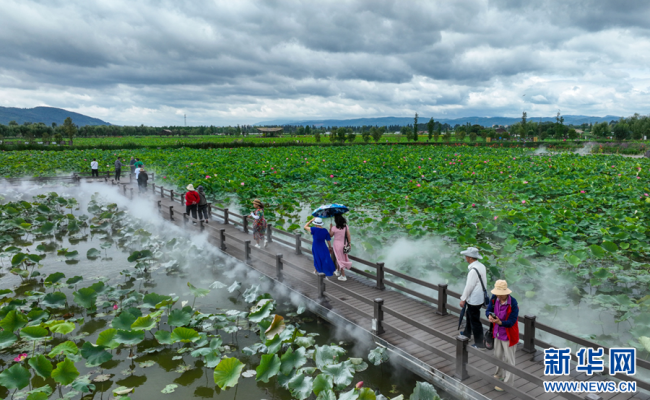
x=502, y=312
x=192, y=200
x=321, y=247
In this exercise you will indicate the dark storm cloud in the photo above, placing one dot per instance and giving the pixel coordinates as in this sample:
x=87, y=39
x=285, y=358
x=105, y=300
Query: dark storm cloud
x=140, y=61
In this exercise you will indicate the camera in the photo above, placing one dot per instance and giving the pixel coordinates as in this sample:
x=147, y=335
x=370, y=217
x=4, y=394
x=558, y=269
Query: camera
x=493, y=315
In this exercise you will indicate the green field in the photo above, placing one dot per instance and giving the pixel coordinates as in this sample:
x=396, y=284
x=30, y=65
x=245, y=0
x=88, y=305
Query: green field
x=560, y=228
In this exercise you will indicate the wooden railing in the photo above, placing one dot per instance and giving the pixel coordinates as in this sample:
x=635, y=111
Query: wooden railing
x=379, y=325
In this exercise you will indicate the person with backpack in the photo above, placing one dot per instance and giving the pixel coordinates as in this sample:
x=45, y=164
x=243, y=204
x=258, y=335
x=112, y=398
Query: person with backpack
x=142, y=180
x=341, y=245
x=502, y=312
x=474, y=296
x=203, y=205
x=192, y=200
x=94, y=168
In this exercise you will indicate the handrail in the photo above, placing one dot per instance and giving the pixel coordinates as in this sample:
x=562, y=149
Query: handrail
x=411, y=279
x=409, y=291
x=350, y=293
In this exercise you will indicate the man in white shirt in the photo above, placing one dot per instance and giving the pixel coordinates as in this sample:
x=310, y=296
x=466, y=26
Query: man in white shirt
x=473, y=295
x=94, y=168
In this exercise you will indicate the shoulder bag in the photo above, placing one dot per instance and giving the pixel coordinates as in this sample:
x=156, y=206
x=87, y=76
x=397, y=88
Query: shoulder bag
x=486, y=299
x=346, y=245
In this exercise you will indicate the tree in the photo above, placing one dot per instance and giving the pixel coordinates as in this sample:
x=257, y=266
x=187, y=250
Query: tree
x=438, y=132
x=365, y=135
x=69, y=129
x=430, y=127
x=559, y=126
x=300, y=131
x=460, y=135
x=341, y=134
x=415, y=128
x=447, y=136
x=333, y=135
x=351, y=135
x=621, y=130
x=573, y=134
x=524, y=117
x=307, y=130
x=406, y=131
x=13, y=123
x=317, y=135
x=377, y=133
x=472, y=136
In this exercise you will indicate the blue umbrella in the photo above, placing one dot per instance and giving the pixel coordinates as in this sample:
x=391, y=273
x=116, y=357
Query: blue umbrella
x=330, y=210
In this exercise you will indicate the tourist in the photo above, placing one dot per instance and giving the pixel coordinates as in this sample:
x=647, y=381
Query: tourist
x=259, y=223
x=138, y=163
x=192, y=200
x=118, y=169
x=142, y=180
x=342, y=242
x=132, y=165
x=203, y=205
x=502, y=312
x=322, y=259
x=137, y=171
x=473, y=295
x=94, y=168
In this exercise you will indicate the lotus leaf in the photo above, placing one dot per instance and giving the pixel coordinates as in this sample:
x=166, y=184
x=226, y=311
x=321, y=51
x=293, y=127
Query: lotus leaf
x=424, y=391
x=378, y=356
x=33, y=333
x=292, y=360
x=123, y=321
x=301, y=386
x=323, y=382
x=179, y=318
x=7, y=338
x=152, y=299
x=143, y=324
x=16, y=377
x=54, y=300
x=54, y=278
x=83, y=385
x=163, y=337
x=129, y=337
x=85, y=297
x=66, y=348
x=94, y=355
x=277, y=327
x=268, y=368
x=107, y=339
x=63, y=328
x=261, y=310
x=185, y=335
x=65, y=372
x=326, y=355
x=13, y=321
x=227, y=372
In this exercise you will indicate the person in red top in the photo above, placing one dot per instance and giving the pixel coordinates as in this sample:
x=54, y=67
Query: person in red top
x=502, y=312
x=192, y=200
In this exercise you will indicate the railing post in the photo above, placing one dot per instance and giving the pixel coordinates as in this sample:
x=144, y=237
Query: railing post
x=529, y=334
x=461, y=358
x=162, y=192
x=201, y=225
x=278, y=266
x=377, y=322
x=153, y=176
x=171, y=213
x=210, y=210
x=245, y=223
x=298, y=243
x=380, y=276
x=171, y=195
x=225, y=216
x=321, y=285
x=442, y=299
x=269, y=233
x=222, y=239
x=247, y=250
x=159, y=206
x=131, y=189
x=186, y=217
x=153, y=188
x=183, y=199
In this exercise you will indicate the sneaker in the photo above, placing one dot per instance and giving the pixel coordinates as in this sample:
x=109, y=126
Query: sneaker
x=193, y=222
x=266, y=244
x=257, y=246
x=337, y=273
x=343, y=278
x=476, y=346
x=206, y=221
x=498, y=389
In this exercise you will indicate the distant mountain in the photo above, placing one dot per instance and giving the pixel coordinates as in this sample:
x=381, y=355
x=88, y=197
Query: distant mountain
x=483, y=121
x=47, y=115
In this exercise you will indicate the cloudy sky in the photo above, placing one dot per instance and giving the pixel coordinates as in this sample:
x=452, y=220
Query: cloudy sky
x=236, y=62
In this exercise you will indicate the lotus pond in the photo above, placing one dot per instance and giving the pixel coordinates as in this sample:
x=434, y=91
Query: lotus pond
x=568, y=232
x=94, y=305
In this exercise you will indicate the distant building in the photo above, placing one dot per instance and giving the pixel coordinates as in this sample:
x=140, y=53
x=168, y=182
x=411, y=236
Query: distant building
x=270, y=131
x=500, y=130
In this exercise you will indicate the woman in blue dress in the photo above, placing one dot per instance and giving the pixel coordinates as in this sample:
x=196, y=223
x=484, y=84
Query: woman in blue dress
x=321, y=250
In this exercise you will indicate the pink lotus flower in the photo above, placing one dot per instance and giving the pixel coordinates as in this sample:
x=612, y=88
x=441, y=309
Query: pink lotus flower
x=20, y=357
x=473, y=205
x=114, y=306
x=473, y=173
x=419, y=167
x=523, y=202
x=271, y=167
x=164, y=177
x=495, y=217
x=331, y=176
x=364, y=161
x=525, y=182
x=207, y=177
x=263, y=172
x=418, y=185
x=336, y=183
x=638, y=177
x=582, y=191
x=242, y=183
x=645, y=194
x=358, y=385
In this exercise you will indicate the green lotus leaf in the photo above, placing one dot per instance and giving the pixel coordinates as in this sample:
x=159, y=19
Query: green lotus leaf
x=16, y=377
x=54, y=300
x=129, y=337
x=292, y=360
x=65, y=372
x=41, y=365
x=98, y=287
x=197, y=292
x=169, y=388
x=378, y=356
x=143, y=324
x=323, y=382
x=71, y=254
x=185, y=335
x=152, y=299
x=38, y=396
x=73, y=280
x=424, y=391
x=93, y=253
x=36, y=315
x=85, y=297
x=66, y=348
x=261, y=310
x=273, y=345
x=235, y=286
x=251, y=294
x=301, y=386
x=82, y=384
x=268, y=368
x=546, y=250
x=43, y=209
x=123, y=321
x=330, y=395
x=227, y=372
x=33, y=333
x=7, y=339
x=179, y=318
x=5, y=293
x=47, y=228
x=609, y=246
x=277, y=327
x=107, y=339
x=94, y=355
x=63, y=328
x=304, y=341
x=13, y=321
x=18, y=259
x=341, y=373
x=326, y=355
x=163, y=337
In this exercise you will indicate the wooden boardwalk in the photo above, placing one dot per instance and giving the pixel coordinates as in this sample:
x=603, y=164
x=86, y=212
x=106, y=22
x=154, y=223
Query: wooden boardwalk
x=408, y=324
